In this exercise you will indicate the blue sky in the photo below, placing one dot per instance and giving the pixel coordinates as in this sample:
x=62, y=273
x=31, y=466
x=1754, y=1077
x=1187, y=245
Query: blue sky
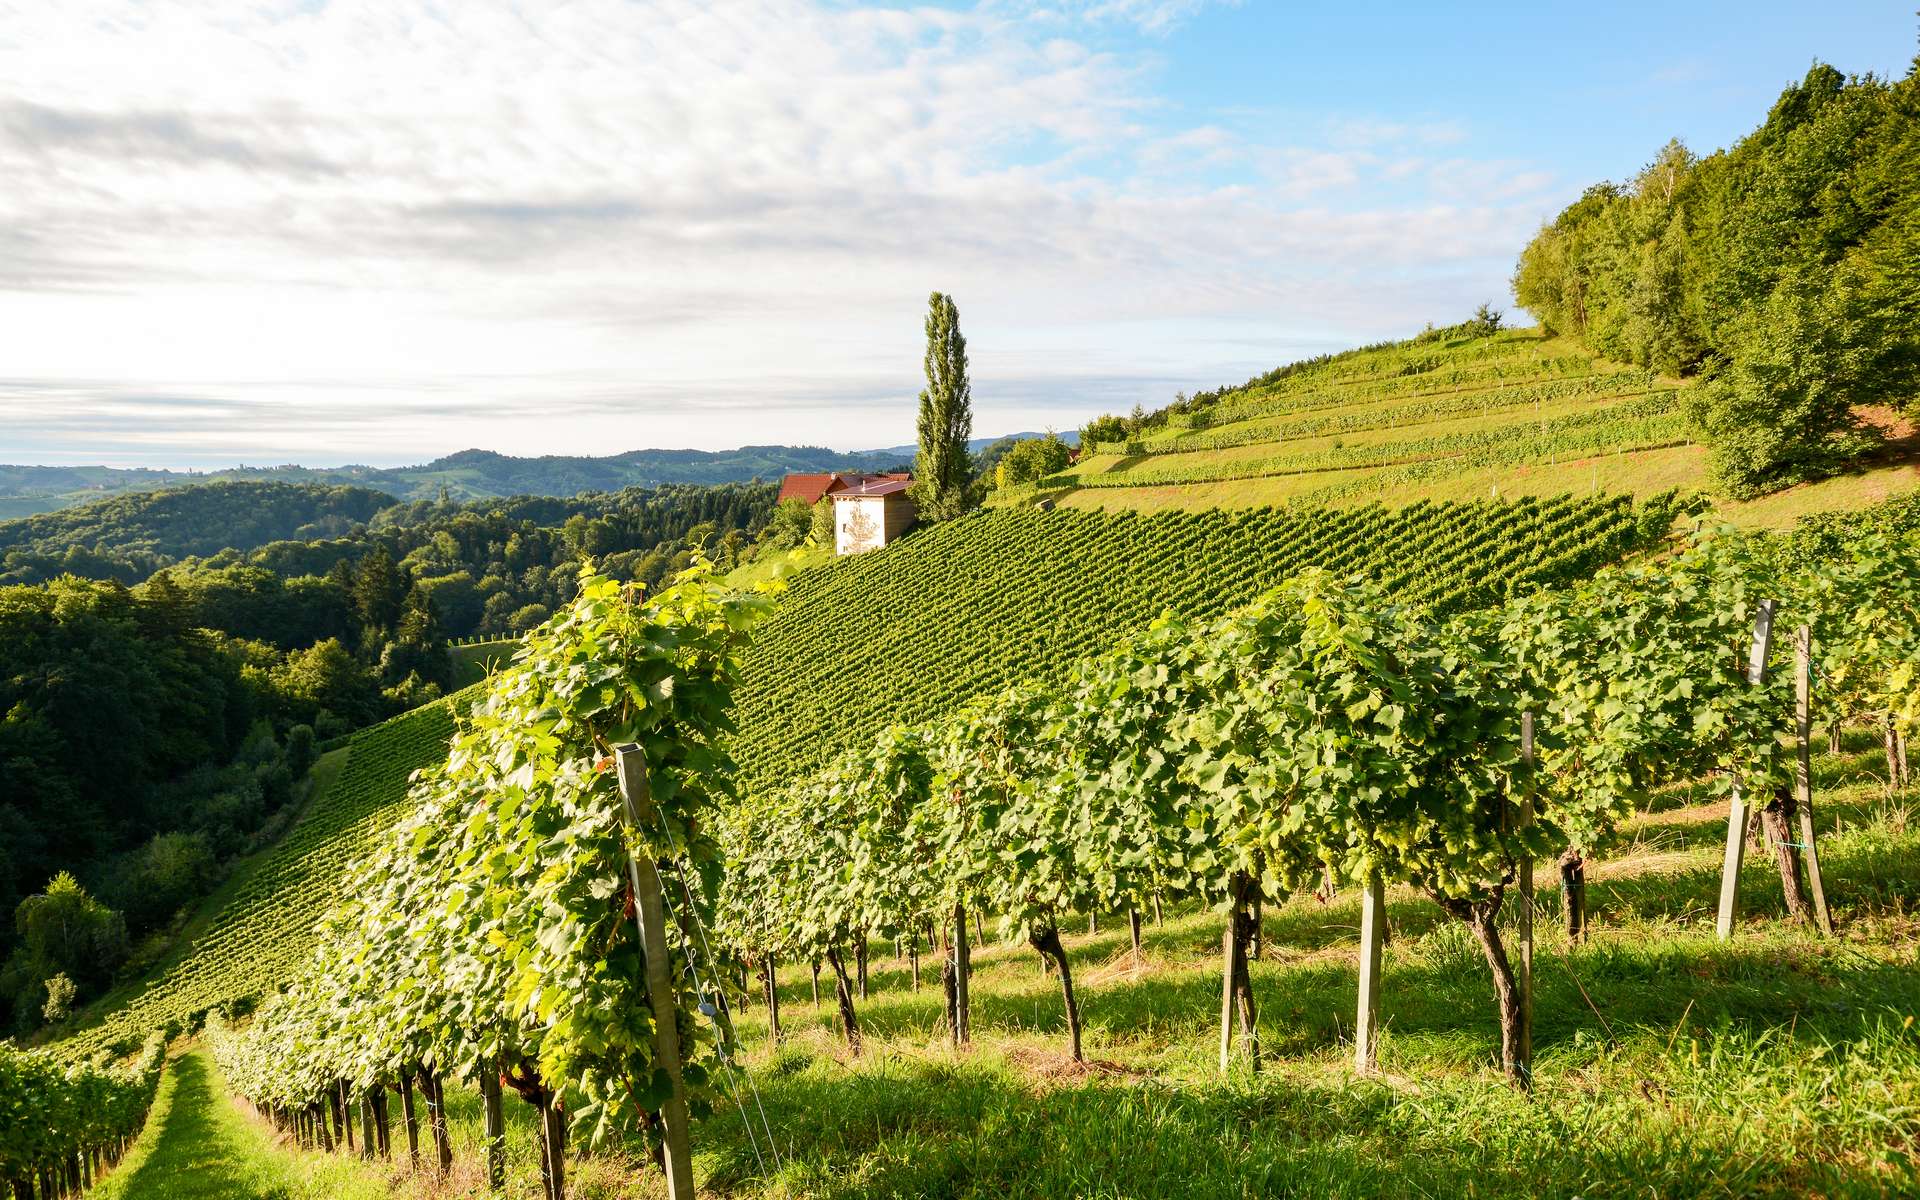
x=383, y=230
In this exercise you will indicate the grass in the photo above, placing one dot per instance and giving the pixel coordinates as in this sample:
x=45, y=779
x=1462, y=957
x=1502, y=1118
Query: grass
x=1780, y=1064
x=198, y=1146
x=1637, y=472
x=474, y=662
x=768, y=567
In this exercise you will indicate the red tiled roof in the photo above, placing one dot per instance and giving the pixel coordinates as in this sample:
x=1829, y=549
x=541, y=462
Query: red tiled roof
x=804, y=487
x=873, y=487
x=811, y=487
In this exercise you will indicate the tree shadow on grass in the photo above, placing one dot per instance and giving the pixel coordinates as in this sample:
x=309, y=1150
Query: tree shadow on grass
x=909, y=1127
x=1437, y=991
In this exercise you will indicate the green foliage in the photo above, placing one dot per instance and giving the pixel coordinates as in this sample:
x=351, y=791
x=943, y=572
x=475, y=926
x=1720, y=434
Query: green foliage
x=1322, y=728
x=64, y=935
x=1032, y=459
x=1010, y=595
x=820, y=522
x=50, y=1112
x=943, y=469
x=60, y=993
x=151, y=529
x=265, y=928
x=114, y=722
x=536, y=967
x=1786, y=267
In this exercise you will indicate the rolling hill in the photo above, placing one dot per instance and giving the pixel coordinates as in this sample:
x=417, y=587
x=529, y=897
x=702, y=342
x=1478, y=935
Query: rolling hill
x=175, y=522
x=1436, y=418
x=467, y=475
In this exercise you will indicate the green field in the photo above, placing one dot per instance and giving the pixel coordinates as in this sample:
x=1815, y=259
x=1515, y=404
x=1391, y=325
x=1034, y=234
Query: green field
x=1514, y=414
x=475, y=661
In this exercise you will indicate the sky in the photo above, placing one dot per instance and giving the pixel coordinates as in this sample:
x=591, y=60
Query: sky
x=378, y=231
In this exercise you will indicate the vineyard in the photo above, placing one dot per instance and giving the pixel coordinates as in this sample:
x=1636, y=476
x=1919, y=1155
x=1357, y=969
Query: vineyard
x=1328, y=739
x=1012, y=595
x=266, y=927
x=1340, y=740
x=62, y=1128
x=1433, y=418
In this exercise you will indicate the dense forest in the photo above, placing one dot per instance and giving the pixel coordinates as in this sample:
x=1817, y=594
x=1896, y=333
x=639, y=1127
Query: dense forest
x=138, y=753
x=1786, y=270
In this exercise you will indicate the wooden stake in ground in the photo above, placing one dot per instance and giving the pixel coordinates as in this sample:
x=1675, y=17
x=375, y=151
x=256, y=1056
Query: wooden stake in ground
x=1366, y=1028
x=1803, y=768
x=409, y=1118
x=437, y=1119
x=962, y=968
x=493, y=1126
x=1524, y=917
x=366, y=1127
x=1737, y=815
x=1236, y=988
x=768, y=969
x=637, y=810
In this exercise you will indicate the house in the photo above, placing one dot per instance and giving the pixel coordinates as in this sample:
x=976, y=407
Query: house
x=868, y=515
x=869, y=509
x=811, y=488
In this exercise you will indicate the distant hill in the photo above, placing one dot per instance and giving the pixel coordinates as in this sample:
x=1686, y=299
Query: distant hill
x=467, y=475
x=1071, y=437
x=470, y=474
x=174, y=522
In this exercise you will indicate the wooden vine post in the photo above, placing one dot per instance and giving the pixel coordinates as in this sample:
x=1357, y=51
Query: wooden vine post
x=1366, y=1028
x=493, y=1126
x=637, y=811
x=1737, y=813
x=1803, y=768
x=1524, y=917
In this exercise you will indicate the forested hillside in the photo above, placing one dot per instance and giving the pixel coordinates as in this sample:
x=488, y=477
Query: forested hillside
x=137, y=753
x=129, y=537
x=266, y=925
x=1784, y=270
x=154, y=734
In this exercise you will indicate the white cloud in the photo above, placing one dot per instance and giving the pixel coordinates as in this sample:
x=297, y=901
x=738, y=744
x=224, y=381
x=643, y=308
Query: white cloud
x=1156, y=17
x=335, y=226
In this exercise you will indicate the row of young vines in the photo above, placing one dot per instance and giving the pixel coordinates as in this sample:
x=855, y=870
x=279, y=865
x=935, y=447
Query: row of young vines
x=1325, y=733
x=64, y=1126
x=494, y=939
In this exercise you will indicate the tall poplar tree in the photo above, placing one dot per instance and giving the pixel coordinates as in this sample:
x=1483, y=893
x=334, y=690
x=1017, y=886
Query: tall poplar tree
x=943, y=470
